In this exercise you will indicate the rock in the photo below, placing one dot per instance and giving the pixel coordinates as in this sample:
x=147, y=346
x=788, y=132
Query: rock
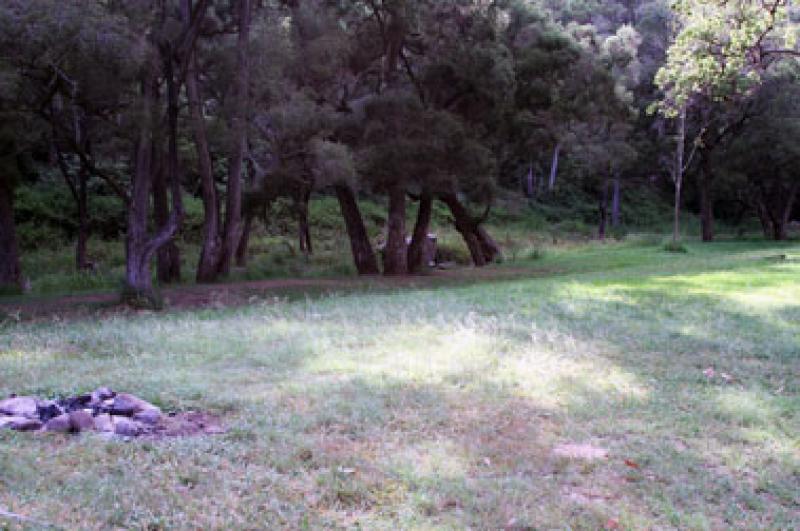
x=126, y=427
x=77, y=402
x=128, y=405
x=59, y=424
x=149, y=416
x=48, y=409
x=104, y=423
x=81, y=421
x=20, y=406
x=20, y=423
x=100, y=394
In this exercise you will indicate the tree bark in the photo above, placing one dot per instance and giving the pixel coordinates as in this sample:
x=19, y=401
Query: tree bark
x=465, y=225
x=233, y=207
x=81, y=254
x=603, y=213
x=706, y=201
x=615, y=203
x=208, y=266
x=303, y=226
x=168, y=261
x=140, y=246
x=551, y=185
x=763, y=217
x=10, y=271
x=77, y=187
x=419, y=239
x=786, y=214
x=395, y=253
x=244, y=241
x=363, y=255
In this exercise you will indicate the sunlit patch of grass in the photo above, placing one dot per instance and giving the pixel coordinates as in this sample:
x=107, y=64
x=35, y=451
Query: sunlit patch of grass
x=441, y=407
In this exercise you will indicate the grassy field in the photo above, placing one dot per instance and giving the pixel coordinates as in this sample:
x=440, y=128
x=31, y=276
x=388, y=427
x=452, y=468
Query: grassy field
x=617, y=387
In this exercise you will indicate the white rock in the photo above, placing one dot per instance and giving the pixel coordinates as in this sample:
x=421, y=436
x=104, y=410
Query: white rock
x=126, y=427
x=20, y=406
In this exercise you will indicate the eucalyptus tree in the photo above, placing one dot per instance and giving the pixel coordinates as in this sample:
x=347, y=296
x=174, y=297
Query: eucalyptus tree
x=714, y=67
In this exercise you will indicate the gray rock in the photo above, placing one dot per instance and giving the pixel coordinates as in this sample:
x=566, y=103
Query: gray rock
x=59, y=424
x=149, y=416
x=20, y=406
x=128, y=405
x=104, y=423
x=20, y=423
x=100, y=394
x=48, y=409
x=126, y=427
x=81, y=421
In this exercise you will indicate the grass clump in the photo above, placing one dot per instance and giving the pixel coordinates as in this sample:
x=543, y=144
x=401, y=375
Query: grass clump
x=675, y=247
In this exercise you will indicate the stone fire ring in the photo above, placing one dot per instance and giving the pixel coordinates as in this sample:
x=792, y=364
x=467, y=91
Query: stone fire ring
x=102, y=411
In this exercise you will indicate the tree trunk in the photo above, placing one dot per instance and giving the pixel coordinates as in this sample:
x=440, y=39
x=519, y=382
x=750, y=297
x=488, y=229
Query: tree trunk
x=244, y=241
x=465, y=225
x=554, y=168
x=363, y=255
x=603, y=212
x=419, y=239
x=491, y=251
x=10, y=272
x=208, y=266
x=137, y=271
x=677, y=175
x=140, y=247
x=676, y=222
x=615, y=203
x=784, y=217
x=168, y=261
x=81, y=255
x=77, y=188
x=395, y=255
x=706, y=201
x=233, y=206
x=303, y=226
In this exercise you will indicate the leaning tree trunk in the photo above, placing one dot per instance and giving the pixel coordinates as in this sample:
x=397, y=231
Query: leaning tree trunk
x=395, y=256
x=233, y=206
x=706, y=201
x=208, y=266
x=10, y=272
x=491, y=250
x=419, y=239
x=363, y=255
x=466, y=226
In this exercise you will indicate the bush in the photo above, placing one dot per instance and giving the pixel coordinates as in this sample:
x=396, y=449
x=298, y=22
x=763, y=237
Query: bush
x=453, y=253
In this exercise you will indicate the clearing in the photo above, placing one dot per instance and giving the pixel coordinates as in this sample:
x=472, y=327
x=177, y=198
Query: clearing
x=610, y=387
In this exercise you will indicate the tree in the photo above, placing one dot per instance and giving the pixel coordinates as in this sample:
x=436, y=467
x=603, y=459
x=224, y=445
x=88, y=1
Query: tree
x=713, y=67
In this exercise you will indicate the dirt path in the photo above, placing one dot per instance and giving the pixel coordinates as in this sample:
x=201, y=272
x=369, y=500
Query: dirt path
x=239, y=293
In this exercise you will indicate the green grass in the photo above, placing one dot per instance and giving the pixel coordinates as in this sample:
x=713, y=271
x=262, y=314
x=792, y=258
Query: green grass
x=441, y=407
